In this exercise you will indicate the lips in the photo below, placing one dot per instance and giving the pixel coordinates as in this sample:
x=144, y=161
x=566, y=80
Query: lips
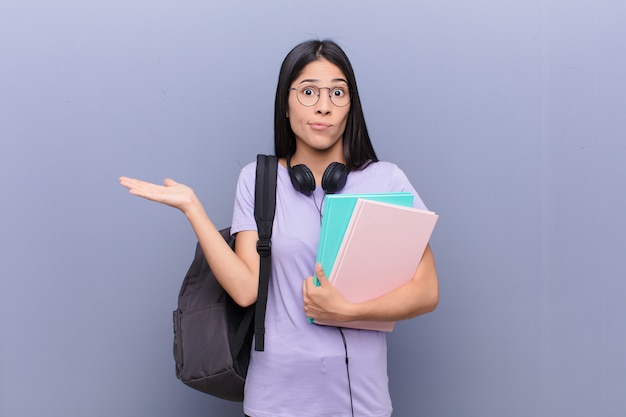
x=319, y=125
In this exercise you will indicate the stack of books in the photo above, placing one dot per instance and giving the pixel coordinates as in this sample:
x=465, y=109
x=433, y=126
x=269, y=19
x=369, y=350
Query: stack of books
x=371, y=244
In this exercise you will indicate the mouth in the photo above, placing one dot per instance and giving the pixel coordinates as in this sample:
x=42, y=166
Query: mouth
x=319, y=125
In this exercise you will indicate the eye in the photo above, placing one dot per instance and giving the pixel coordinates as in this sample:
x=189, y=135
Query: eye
x=338, y=92
x=309, y=91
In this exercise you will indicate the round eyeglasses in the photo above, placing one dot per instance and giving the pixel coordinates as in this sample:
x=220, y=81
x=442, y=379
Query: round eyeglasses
x=309, y=95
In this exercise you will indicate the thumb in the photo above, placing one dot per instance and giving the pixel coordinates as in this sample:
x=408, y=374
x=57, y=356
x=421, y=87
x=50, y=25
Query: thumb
x=168, y=182
x=321, y=276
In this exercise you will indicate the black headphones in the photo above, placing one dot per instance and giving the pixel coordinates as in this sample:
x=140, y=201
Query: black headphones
x=333, y=180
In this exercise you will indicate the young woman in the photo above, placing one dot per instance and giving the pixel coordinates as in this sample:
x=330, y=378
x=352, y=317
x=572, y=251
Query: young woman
x=323, y=145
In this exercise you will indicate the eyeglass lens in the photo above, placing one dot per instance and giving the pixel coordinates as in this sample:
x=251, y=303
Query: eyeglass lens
x=309, y=95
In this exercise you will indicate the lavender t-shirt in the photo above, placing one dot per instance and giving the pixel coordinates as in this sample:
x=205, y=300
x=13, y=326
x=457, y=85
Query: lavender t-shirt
x=302, y=371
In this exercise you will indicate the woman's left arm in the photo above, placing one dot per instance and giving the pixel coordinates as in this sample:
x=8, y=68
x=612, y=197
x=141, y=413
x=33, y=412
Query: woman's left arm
x=419, y=296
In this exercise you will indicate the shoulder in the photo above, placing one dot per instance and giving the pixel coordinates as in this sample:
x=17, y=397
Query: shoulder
x=382, y=176
x=243, y=212
x=247, y=174
x=383, y=169
x=245, y=182
x=248, y=170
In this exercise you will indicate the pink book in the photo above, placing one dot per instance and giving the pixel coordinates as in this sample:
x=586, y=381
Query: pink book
x=380, y=252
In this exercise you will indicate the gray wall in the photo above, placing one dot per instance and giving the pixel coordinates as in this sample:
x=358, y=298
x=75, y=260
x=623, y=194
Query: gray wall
x=508, y=116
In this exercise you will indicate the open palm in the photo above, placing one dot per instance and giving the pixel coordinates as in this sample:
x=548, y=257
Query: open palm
x=170, y=193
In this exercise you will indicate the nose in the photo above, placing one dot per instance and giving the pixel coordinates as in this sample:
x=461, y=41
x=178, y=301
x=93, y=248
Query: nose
x=324, y=104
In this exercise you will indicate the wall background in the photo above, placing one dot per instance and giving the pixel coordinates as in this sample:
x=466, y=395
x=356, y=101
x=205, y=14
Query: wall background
x=508, y=117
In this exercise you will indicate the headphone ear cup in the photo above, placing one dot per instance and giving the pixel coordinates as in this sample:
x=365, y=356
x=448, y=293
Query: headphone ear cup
x=334, y=178
x=302, y=179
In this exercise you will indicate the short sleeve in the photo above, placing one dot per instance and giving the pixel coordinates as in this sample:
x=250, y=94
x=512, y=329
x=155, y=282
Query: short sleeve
x=243, y=210
x=402, y=182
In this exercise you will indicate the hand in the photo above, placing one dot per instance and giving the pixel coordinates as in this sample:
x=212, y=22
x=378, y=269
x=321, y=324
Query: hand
x=171, y=193
x=323, y=301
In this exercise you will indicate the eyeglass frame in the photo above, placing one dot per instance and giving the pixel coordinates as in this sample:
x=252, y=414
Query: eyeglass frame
x=320, y=94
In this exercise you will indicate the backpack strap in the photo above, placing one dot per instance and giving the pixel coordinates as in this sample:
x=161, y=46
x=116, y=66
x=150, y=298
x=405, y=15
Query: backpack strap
x=264, y=210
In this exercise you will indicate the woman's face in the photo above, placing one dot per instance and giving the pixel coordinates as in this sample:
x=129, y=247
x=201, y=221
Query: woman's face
x=319, y=126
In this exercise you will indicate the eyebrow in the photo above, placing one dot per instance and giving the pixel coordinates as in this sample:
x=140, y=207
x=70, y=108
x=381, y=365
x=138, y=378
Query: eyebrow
x=334, y=80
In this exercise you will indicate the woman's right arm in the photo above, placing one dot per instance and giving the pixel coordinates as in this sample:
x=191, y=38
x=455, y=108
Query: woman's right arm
x=237, y=272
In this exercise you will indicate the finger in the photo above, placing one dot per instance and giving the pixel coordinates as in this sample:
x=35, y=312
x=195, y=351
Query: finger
x=308, y=285
x=133, y=183
x=168, y=182
x=143, y=189
x=321, y=276
x=306, y=300
x=127, y=182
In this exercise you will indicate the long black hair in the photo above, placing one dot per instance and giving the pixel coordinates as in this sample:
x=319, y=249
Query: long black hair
x=357, y=146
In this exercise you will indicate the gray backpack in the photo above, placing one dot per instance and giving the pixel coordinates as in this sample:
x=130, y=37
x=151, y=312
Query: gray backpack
x=212, y=334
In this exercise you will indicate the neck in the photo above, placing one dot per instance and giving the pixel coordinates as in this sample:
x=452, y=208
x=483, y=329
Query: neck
x=317, y=161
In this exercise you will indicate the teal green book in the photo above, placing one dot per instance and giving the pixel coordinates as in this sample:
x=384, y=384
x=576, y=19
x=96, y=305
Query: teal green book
x=338, y=210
